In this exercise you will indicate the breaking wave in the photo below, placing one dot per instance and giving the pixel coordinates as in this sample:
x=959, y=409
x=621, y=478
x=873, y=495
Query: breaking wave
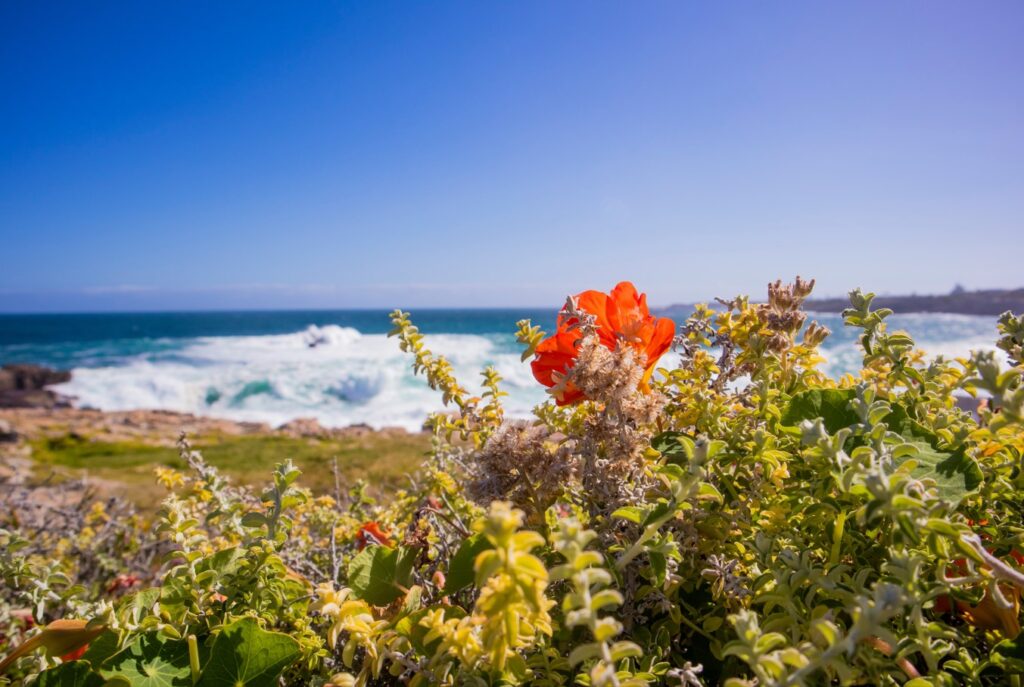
x=333, y=373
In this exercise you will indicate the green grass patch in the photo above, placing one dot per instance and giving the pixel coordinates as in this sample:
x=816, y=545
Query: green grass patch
x=382, y=460
x=77, y=452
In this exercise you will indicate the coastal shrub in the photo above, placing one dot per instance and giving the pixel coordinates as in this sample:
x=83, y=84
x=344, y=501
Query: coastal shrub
x=732, y=517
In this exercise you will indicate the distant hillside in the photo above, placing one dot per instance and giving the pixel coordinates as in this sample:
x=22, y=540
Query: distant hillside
x=990, y=302
x=993, y=302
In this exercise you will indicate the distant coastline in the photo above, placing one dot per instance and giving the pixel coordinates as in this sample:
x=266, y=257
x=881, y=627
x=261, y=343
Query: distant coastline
x=959, y=301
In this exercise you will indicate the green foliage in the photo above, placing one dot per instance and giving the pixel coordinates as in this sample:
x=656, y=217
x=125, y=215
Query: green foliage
x=70, y=674
x=245, y=655
x=150, y=661
x=380, y=574
x=1012, y=340
x=460, y=569
x=743, y=520
x=590, y=595
x=831, y=406
x=530, y=336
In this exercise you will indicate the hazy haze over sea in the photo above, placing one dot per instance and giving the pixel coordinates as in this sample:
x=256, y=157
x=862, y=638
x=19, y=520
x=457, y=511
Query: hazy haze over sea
x=259, y=365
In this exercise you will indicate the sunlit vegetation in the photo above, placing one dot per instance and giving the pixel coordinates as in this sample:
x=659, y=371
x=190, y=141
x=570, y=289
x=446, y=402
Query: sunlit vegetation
x=741, y=519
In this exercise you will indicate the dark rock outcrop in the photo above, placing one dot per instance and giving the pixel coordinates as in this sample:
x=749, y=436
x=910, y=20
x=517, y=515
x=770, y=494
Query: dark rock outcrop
x=30, y=377
x=7, y=433
x=24, y=386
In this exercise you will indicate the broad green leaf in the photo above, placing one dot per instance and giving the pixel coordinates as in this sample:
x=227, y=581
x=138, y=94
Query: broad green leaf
x=460, y=570
x=831, y=405
x=70, y=674
x=254, y=519
x=676, y=447
x=380, y=574
x=245, y=655
x=900, y=422
x=101, y=648
x=631, y=513
x=955, y=474
x=142, y=602
x=151, y=661
x=224, y=562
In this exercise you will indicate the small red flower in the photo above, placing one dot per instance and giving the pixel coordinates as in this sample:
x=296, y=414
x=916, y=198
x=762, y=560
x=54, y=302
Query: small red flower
x=76, y=654
x=25, y=616
x=371, y=534
x=621, y=316
x=121, y=583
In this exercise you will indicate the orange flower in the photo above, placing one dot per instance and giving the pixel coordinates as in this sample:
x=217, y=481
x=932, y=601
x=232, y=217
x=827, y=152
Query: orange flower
x=372, y=534
x=988, y=614
x=622, y=316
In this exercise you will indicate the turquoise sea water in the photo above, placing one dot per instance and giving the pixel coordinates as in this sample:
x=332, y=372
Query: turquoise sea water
x=260, y=366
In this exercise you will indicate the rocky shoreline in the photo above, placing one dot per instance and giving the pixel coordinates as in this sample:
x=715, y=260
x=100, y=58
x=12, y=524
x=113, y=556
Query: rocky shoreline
x=30, y=409
x=34, y=416
x=25, y=386
x=156, y=427
x=54, y=455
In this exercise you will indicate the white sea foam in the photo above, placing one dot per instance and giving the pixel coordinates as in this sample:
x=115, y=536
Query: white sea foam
x=347, y=377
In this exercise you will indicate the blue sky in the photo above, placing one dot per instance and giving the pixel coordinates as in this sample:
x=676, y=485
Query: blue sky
x=217, y=155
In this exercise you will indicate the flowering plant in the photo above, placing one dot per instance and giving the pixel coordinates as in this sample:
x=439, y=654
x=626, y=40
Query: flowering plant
x=738, y=518
x=620, y=318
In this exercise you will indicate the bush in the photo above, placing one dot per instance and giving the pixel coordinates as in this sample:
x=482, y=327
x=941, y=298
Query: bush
x=738, y=519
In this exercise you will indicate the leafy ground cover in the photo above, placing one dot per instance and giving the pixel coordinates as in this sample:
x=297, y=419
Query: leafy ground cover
x=740, y=519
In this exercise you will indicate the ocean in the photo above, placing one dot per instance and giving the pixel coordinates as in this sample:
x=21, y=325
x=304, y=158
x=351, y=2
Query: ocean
x=259, y=366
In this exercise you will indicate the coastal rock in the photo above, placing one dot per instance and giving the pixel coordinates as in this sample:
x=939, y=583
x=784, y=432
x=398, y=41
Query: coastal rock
x=30, y=377
x=32, y=398
x=150, y=427
x=24, y=386
x=162, y=427
x=358, y=429
x=304, y=427
x=310, y=428
x=7, y=433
